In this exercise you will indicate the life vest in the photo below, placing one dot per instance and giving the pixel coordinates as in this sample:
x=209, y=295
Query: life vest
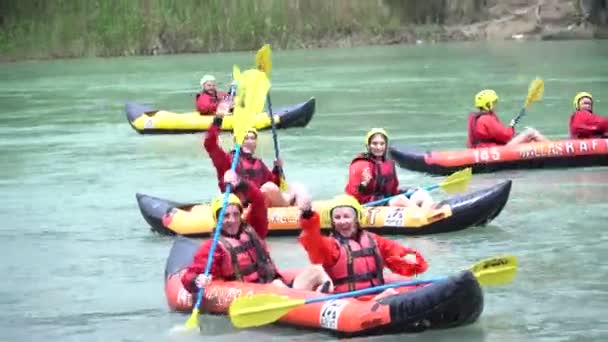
x=248, y=260
x=384, y=176
x=473, y=139
x=251, y=169
x=359, y=265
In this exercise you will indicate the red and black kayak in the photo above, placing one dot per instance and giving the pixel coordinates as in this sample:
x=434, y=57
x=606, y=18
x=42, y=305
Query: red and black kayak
x=456, y=301
x=554, y=154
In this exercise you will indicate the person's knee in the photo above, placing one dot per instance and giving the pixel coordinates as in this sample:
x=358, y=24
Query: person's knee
x=399, y=201
x=269, y=187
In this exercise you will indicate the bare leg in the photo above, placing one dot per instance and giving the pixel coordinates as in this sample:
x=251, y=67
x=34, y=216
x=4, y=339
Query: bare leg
x=312, y=278
x=274, y=196
x=422, y=198
x=528, y=135
x=399, y=201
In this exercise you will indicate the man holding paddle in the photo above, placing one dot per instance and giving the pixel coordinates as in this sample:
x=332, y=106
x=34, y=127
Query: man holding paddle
x=249, y=167
x=485, y=128
x=208, y=100
x=585, y=124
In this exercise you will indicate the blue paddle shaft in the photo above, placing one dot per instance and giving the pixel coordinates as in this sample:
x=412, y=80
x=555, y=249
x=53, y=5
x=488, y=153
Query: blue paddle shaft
x=408, y=193
x=218, y=228
x=373, y=290
x=520, y=115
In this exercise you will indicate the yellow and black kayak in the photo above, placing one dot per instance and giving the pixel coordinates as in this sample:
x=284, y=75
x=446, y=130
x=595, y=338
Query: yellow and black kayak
x=456, y=213
x=147, y=120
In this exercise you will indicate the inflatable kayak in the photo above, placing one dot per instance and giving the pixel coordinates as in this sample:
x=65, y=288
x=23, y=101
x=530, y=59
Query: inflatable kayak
x=555, y=154
x=147, y=120
x=456, y=213
x=455, y=301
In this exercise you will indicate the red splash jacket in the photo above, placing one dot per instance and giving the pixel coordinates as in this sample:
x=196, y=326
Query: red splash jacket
x=326, y=250
x=584, y=125
x=207, y=103
x=249, y=168
x=384, y=181
x=257, y=218
x=486, y=130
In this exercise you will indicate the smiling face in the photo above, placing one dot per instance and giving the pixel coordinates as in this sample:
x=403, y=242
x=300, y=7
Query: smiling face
x=345, y=221
x=377, y=145
x=586, y=104
x=209, y=87
x=232, y=219
x=250, y=143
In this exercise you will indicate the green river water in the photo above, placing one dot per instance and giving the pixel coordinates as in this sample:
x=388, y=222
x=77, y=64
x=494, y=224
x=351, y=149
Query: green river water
x=80, y=264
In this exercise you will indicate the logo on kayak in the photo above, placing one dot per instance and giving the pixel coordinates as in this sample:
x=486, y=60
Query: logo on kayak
x=394, y=217
x=330, y=313
x=559, y=149
x=149, y=123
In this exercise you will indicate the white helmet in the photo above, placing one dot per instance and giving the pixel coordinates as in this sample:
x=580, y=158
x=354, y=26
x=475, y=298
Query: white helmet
x=206, y=79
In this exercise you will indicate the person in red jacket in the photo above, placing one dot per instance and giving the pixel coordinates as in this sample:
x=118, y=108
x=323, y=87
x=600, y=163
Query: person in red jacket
x=584, y=123
x=241, y=253
x=486, y=130
x=372, y=176
x=249, y=167
x=208, y=100
x=353, y=258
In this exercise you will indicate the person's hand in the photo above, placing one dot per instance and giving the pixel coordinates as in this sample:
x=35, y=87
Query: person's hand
x=367, y=175
x=304, y=202
x=278, y=163
x=410, y=259
x=231, y=177
x=202, y=281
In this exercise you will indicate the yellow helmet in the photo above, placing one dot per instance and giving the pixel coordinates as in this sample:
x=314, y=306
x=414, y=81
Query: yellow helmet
x=485, y=99
x=373, y=132
x=217, y=202
x=345, y=201
x=578, y=97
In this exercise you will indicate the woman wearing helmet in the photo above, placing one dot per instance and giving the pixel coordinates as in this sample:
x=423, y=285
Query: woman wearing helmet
x=372, y=176
x=209, y=98
x=583, y=122
x=486, y=130
x=250, y=167
x=352, y=257
x=241, y=253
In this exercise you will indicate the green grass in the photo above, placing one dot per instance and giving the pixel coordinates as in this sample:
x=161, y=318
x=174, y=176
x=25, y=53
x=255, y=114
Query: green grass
x=74, y=28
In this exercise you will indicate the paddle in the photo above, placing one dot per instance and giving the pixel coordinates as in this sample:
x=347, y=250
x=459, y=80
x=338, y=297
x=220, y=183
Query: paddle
x=249, y=86
x=263, y=309
x=454, y=183
x=263, y=61
x=535, y=93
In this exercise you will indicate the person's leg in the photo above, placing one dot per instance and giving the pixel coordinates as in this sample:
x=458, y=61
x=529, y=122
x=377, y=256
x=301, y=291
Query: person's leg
x=399, y=201
x=528, y=135
x=274, y=196
x=422, y=198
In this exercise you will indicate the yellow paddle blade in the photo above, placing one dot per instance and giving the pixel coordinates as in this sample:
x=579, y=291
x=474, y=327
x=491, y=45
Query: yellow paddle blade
x=535, y=91
x=236, y=73
x=495, y=271
x=263, y=59
x=457, y=181
x=253, y=311
x=192, y=322
x=252, y=87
